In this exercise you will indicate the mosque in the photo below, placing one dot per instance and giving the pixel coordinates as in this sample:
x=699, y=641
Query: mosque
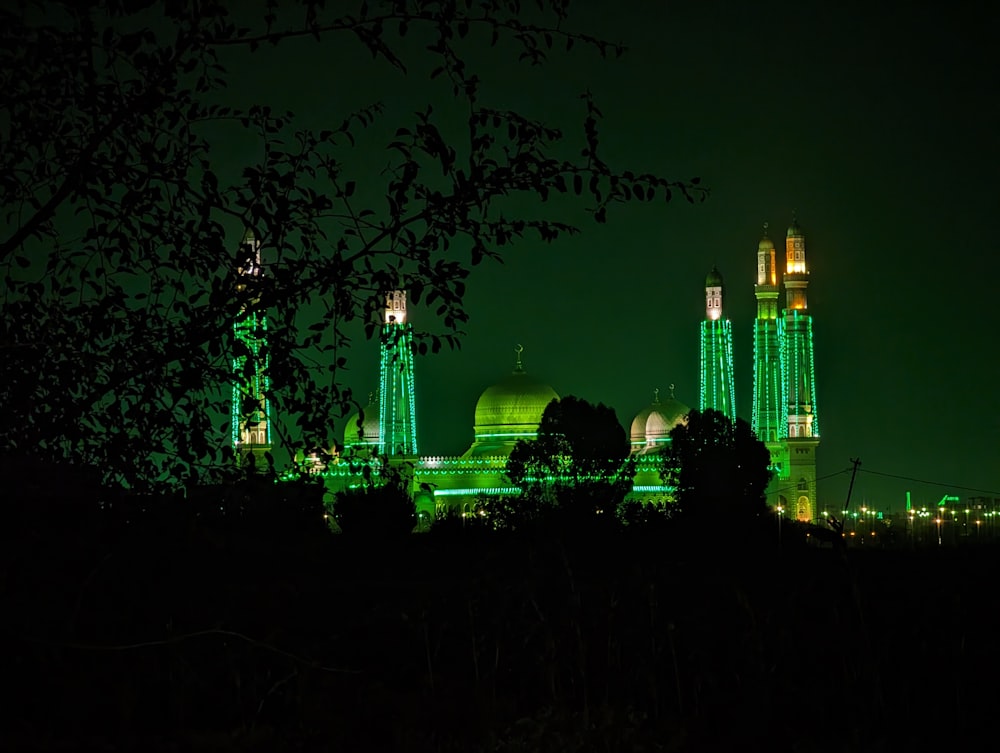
x=783, y=413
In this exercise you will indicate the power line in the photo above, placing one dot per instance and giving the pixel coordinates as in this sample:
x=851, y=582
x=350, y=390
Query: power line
x=932, y=483
x=794, y=487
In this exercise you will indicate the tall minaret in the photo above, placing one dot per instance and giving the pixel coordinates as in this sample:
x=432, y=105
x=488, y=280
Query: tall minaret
x=397, y=410
x=799, y=377
x=250, y=408
x=717, y=390
x=768, y=419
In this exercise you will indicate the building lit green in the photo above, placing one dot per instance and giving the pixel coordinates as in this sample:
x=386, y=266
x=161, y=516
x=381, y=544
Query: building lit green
x=783, y=416
x=784, y=377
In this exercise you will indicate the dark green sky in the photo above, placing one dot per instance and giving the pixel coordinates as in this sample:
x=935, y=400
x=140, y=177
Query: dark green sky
x=876, y=125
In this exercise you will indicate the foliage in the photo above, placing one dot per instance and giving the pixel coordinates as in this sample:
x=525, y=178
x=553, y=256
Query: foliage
x=381, y=508
x=514, y=512
x=121, y=213
x=293, y=506
x=636, y=514
x=450, y=523
x=718, y=468
x=578, y=464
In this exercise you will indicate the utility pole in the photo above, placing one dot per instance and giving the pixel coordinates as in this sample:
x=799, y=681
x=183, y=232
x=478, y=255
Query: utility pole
x=850, y=487
x=838, y=525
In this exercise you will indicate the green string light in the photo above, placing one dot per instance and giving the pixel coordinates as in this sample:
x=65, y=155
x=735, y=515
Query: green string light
x=254, y=429
x=717, y=388
x=397, y=398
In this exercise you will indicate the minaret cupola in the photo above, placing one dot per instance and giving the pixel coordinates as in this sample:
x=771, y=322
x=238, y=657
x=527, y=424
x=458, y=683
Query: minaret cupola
x=767, y=271
x=713, y=295
x=796, y=271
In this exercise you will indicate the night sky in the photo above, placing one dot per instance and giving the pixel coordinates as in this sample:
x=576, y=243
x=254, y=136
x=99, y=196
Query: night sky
x=877, y=128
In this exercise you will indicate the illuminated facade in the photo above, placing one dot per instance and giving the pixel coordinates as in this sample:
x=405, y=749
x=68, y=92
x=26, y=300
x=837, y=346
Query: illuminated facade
x=385, y=430
x=784, y=387
x=250, y=409
x=505, y=412
x=717, y=388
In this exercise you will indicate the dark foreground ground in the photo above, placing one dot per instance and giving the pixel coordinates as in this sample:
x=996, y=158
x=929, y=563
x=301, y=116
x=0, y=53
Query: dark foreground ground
x=197, y=636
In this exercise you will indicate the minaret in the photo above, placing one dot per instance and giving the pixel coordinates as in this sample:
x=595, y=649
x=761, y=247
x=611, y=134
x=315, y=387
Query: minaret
x=250, y=408
x=768, y=419
x=799, y=377
x=717, y=390
x=397, y=414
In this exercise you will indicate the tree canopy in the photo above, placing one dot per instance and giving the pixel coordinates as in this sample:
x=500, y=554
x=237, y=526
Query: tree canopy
x=578, y=465
x=122, y=212
x=378, y=509
x=718, y=468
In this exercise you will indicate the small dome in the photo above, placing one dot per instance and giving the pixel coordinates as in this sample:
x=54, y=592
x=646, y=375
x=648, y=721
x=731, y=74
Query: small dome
x=670, y=413
x=766, y=244
x=794, y=231
x=714, y=279
x=653, y=424
x=369, y=427
x=637, y=433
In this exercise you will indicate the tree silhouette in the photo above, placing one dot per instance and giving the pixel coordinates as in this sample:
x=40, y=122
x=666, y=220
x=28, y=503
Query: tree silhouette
x=718, y=468
x=577, y=466
x=121, y=219
x=382, y=508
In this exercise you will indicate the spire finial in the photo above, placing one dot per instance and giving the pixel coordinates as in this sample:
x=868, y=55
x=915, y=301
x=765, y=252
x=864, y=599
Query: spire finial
x=656, y=396
x=672, y=391
x=371, y=398
x=518, y=350
x=765, y=228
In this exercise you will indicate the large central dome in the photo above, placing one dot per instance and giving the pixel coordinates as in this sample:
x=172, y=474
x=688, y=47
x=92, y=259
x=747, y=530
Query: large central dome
x=509, y=410
x=517, y=401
